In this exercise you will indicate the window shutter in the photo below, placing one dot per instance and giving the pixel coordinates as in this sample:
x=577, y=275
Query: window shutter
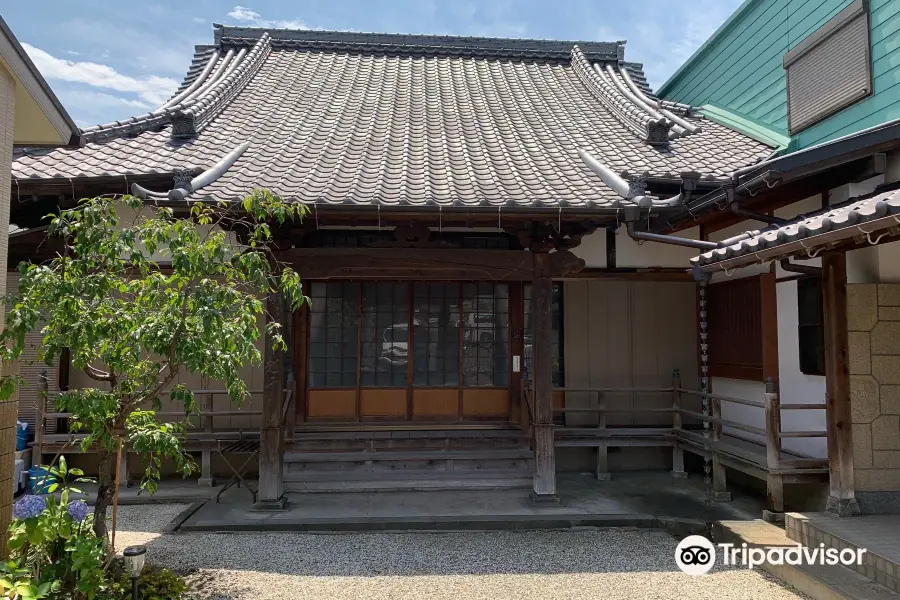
x=830, y=69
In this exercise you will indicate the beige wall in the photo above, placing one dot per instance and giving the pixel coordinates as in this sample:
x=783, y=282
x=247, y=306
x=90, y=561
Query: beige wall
x=8, y=408
x=635, y=255
x=629, y=334
x=873, y=312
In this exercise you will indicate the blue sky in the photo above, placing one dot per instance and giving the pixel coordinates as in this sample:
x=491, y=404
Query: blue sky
x=110, y=60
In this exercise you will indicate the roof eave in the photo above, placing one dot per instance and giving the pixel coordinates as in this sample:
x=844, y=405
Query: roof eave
x=29, y=76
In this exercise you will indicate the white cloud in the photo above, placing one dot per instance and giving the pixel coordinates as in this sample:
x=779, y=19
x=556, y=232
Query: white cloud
x=200, y=20
x=251, y=17
x=152, y=90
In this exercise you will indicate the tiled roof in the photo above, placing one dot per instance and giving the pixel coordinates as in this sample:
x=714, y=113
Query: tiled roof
x=809, y=233
x=336, y=118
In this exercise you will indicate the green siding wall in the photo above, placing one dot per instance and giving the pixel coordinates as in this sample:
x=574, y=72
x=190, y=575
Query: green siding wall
x=740, y=67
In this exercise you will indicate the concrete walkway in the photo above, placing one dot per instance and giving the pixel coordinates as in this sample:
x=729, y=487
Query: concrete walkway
x=629, y=499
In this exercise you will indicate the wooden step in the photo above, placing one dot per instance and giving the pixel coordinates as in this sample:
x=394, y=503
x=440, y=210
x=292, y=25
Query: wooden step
x=398, y=455
x=384, y=434
x=406, y=481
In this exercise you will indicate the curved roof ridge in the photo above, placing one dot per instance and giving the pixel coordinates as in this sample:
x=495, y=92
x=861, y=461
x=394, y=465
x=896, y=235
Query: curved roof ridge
x=682, y=126
x=650, y=130
x=202, y=52
x=197, y=107
x=203, y=108
x=417, y=43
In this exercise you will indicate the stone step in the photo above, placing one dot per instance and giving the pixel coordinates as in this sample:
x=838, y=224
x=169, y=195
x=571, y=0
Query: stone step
x=401, y=455
x=405, y=481
x=831, y=582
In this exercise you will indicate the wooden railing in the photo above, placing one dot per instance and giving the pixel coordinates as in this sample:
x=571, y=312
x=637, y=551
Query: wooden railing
x=204, y=439
x=719, y=439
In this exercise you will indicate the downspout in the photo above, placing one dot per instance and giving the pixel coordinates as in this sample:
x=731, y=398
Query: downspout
x=743, y=212
x=669, y=239
x=790, y=267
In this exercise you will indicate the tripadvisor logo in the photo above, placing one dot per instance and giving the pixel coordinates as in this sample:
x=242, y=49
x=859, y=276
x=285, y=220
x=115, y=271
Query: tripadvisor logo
x=696, y=555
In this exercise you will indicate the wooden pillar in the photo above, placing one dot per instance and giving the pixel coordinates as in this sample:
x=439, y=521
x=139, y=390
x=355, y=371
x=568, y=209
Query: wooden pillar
x=720, y=491
x=678, y=471
x=774, y=481
x=542, y=376
x=206, y=407
x=841, y=491
x=271, y=434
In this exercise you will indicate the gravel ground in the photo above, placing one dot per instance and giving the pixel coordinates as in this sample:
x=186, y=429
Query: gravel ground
x=583, y=564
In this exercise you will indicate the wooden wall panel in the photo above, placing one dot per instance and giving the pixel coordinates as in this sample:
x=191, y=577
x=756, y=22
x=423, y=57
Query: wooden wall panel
x=382, y=403
x=629, y=334
x=577, y=336
x=492, y=402
x=436, y=403
x=332, y=404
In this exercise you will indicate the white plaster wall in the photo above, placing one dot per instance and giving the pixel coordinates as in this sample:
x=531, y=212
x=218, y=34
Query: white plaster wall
x=739, y=413
x=631, y=254
x=592, y=250
x=796, y=387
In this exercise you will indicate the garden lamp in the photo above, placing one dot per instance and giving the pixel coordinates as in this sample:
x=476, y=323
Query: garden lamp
x=134, y=563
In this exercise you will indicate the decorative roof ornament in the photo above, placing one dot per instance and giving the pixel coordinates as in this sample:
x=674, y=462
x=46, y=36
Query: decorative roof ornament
x=183, y=179
x=652, y=129
x=632, y=188
x=186, y=185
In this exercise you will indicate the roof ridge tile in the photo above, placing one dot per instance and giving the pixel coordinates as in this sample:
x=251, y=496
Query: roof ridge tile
x=189, y=120
x=652, y=131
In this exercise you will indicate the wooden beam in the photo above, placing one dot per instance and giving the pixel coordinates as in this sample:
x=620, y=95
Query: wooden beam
x=405, y=264
x=841, y=491
x=661, y=274
x=271, y=435
x=542, y=359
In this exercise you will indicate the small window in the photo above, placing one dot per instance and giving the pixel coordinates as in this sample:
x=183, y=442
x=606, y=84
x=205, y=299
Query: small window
x=830, y=69
x=811, y=326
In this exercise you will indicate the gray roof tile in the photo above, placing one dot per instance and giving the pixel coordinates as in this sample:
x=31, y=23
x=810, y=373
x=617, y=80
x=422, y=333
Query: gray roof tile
x=370, y=118
x=852, y=214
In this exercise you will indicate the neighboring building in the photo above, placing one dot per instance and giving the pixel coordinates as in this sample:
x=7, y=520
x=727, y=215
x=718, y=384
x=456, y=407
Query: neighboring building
x=821, y=80
x=797, y=73
x=29, y=115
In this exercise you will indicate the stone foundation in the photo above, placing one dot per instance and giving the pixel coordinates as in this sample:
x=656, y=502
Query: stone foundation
x=874, y=329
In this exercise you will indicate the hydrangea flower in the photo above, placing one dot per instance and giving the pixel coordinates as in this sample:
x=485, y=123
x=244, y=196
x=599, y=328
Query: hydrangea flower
x=78, y=510
x=29, y=507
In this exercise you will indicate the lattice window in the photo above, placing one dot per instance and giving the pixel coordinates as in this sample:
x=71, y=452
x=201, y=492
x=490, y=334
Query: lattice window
x=485, y=335
x=436, y=335
x=384, y=334
x=334, y=322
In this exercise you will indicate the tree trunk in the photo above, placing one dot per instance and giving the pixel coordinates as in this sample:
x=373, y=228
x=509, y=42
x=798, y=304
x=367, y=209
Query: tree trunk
x=104, y=492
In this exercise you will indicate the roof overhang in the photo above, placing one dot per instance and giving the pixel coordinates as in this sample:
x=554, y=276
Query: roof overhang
x=40, y=119
x=853, y=224
x=847, y=158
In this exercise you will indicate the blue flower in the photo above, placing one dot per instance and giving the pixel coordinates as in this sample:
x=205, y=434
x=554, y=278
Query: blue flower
x=78, y=510
x=29, y=507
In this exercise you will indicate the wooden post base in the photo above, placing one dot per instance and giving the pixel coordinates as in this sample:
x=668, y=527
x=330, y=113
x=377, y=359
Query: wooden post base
x=679, y=474
x=206, y=482
x=276, y=505
x=721, y=496
x=542, y=499
x=842, y=508
x=544, y=461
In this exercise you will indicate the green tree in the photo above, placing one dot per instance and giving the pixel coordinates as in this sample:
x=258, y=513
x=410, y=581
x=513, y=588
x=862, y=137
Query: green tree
x=139, y=302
